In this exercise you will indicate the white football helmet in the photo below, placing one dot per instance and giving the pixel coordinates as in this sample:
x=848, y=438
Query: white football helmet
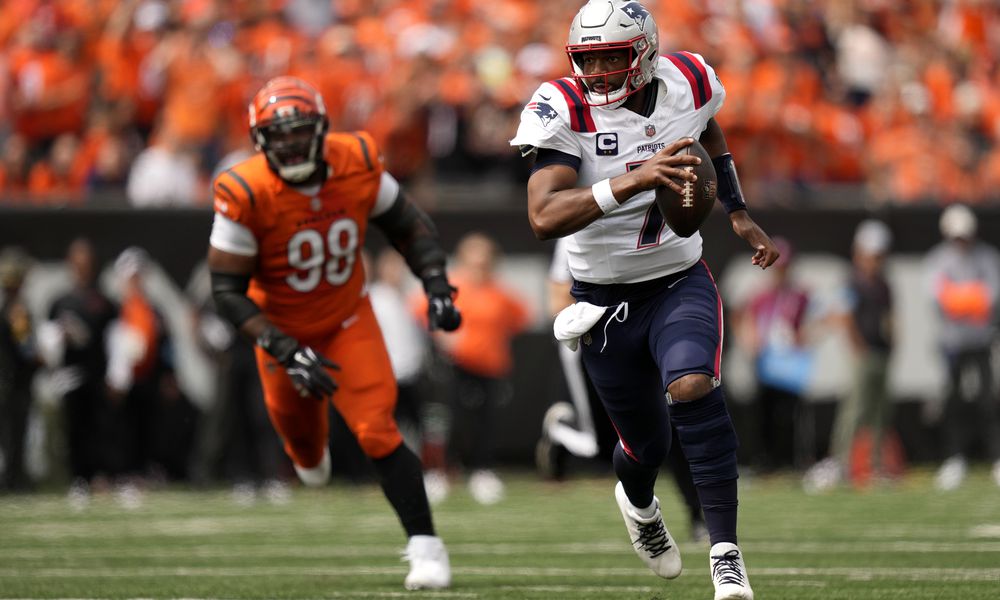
x=614, y=25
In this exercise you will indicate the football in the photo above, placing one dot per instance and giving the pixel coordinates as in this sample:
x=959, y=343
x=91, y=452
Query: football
x=684, y=213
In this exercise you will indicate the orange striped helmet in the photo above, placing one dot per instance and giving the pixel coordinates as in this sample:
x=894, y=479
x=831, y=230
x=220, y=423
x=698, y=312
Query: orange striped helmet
x=287, y=123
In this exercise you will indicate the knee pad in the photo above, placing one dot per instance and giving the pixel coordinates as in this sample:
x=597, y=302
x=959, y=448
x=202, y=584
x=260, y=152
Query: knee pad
x=707, y=436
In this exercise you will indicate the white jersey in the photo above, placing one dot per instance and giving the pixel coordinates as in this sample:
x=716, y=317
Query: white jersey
x=631, y=243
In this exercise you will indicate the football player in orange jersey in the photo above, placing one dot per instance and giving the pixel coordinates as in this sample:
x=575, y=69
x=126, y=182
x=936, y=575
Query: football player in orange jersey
x=284, y=254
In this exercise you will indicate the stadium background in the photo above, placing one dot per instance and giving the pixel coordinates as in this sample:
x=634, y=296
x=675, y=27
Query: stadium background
x=114, y=115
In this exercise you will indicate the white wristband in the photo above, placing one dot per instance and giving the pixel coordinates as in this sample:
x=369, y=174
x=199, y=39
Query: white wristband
x=603, y=195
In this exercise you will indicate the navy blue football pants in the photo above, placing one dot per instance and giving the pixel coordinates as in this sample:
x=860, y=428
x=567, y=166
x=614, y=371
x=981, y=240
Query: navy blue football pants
x=653, y=333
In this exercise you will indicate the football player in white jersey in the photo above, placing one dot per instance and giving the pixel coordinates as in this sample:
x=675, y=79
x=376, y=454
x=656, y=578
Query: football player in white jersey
x=648, y=312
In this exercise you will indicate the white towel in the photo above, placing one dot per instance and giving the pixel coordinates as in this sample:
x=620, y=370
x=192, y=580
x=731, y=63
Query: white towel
x=576, y=320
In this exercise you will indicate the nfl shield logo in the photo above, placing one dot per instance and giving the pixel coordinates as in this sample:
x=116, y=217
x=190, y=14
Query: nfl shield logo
x=650, y=130
x=315, y=204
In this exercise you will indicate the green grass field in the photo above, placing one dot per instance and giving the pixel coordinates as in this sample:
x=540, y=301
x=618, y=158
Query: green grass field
x=545, y=541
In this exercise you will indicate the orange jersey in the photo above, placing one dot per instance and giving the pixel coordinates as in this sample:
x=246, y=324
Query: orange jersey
x=309, y=277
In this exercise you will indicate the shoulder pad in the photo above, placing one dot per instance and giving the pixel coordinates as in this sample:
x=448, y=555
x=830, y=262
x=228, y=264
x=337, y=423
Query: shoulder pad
x=233, y=191
x=571, y=96
x=695, y=71
x=354, y=151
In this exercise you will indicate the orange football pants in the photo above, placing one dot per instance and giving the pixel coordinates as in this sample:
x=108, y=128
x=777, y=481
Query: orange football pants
x=365, y=398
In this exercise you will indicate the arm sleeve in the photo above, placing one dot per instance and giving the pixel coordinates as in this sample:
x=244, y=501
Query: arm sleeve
x=413, y=234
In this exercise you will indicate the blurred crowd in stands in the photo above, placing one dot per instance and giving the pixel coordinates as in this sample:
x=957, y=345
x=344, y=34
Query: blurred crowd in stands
x=149, y=97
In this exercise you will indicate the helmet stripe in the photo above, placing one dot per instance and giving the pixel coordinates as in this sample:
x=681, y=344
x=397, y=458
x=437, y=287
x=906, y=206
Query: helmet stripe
x=278, y=98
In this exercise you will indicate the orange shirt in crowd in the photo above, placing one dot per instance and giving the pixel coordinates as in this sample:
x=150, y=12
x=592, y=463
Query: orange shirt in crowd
x=51, y=95
x=122, y=62
x=491, y=317
x=45, y=183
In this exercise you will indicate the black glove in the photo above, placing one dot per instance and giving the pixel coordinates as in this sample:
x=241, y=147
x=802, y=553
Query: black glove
x=305, y=367
x=441, y=311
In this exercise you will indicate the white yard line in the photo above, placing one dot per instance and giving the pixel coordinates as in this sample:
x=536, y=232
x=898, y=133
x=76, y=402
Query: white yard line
x=265, y=550
x=848, y=573
x=986, y=530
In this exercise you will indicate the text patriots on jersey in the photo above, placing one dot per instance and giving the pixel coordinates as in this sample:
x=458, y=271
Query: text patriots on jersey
x=651, y=147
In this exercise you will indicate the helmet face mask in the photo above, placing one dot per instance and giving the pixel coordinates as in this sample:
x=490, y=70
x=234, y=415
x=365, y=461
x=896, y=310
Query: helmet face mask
x=608, y=26
x=291, y=147
x=288, y=123
x=605, y=87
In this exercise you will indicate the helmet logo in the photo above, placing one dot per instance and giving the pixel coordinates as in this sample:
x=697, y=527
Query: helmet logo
x=637, y=13
x=286, y=111
x=544, y=111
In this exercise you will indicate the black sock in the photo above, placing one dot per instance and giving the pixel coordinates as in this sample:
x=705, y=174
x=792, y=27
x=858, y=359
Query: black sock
x=719, y=503
x=638, y=480
x=402, y=481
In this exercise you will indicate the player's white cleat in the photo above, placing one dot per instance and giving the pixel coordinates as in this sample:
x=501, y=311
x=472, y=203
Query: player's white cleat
x=317, y=476
x=429, y=566
x=650, y=537
x=951, y=474
x=729, y=574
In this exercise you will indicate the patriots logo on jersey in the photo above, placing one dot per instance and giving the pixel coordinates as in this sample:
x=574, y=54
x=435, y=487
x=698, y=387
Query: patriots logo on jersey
x=637, y=13
x=544, y=111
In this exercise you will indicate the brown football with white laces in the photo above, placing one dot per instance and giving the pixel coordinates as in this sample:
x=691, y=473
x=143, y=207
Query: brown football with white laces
x=685, y=213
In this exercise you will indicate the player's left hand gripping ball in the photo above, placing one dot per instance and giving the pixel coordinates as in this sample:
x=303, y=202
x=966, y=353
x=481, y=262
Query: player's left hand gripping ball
x=441, y=310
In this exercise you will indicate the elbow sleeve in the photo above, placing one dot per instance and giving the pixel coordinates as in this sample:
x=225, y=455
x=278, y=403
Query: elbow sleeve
x=413, y=234
x=229, y=291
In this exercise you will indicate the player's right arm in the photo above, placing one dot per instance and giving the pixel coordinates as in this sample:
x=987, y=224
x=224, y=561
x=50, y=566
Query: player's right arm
x=557, y=207
x=232, y=259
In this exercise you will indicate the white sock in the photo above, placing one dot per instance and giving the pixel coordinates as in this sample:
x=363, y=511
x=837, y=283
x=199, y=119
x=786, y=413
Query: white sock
x=647, y=512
